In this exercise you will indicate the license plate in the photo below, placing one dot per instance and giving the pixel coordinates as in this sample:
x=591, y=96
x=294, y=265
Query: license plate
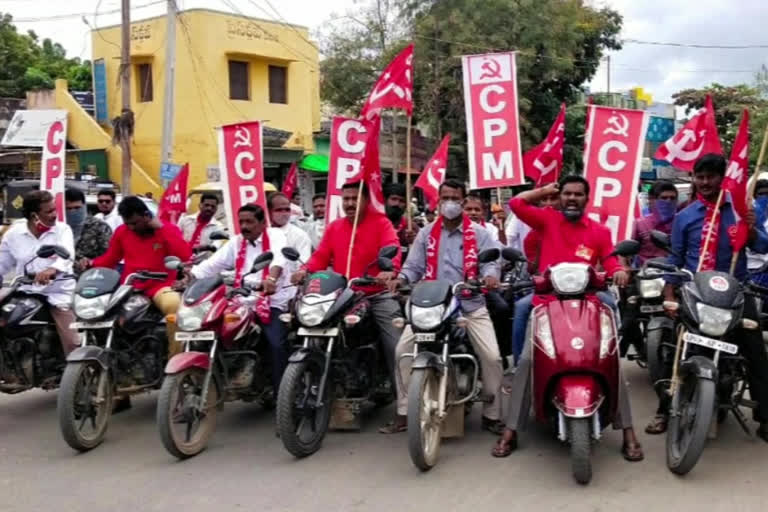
x=422, y=337
x=91, y=325
x=195, y=336
x=710, y=343
x=651, y=308
x=330, y=332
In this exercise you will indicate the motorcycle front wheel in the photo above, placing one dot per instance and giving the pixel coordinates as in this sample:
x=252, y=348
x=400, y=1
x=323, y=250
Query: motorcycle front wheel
x=424, y=424
x=579, y=433
x=689, y=422
x=301, y=421
x=185, y=424
x=84, y=404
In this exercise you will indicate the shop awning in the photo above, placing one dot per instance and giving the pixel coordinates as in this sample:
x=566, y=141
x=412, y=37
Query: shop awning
x=315, y=162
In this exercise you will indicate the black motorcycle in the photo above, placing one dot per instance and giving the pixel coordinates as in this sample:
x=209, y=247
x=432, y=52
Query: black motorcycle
x=124, y=350
x=339, y=368
x=31, y=355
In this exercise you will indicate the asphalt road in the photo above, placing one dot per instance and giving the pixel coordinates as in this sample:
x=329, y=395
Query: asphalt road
x=246, y=468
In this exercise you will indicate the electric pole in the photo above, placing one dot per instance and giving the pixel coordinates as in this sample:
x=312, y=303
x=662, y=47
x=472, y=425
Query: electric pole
x=608, y=76
x=126, y=117
x=170, y=71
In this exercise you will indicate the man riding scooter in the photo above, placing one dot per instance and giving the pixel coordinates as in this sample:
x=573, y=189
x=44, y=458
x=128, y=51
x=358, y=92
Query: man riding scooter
x=447, y=250
x=569, y=236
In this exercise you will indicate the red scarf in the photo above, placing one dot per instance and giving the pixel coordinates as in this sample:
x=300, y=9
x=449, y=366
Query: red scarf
x=262, y=304
x=470, y=250
x=708, y=252
x=198, y=232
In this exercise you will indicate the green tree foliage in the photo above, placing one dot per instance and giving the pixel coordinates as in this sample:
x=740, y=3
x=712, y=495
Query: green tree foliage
x=26, y=63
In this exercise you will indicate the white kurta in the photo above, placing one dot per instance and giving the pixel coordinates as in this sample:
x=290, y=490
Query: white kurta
x=19, y=246
x=113, y=219
x=188, y=224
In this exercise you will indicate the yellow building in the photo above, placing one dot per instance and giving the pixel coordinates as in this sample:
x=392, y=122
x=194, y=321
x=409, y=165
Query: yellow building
x=228, y=68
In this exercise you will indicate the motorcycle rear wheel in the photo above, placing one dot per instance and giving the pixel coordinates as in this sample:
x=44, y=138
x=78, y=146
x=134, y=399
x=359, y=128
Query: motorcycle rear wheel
x=689, y=424
x=424, y=426
x=78, y=402
x=297, y=408
x=179, y=405
x=579, y=434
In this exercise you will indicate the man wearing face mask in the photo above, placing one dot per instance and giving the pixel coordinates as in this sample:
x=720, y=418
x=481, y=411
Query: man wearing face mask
x=569, y=236
x=280, y=216
x=756, y=260
x=394, y=196
x=447, y=250
x=91, y=235
x=663, y=200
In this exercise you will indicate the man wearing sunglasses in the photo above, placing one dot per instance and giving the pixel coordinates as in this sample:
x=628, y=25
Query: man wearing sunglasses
x=107, y=205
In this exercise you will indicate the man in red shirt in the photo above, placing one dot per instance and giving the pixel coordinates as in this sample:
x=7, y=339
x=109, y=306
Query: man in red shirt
x=374, y=231
x=568, y=236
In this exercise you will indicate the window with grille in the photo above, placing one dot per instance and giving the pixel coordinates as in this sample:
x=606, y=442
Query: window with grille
x=145, y=82
x=278, y=84
x=238, y=80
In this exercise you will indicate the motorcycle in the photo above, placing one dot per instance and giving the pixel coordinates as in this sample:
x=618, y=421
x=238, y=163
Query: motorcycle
x=224, y=359
x=30, y=351
x=339, y=367
x=123, y=350
x=444, y=370
x=575, y=357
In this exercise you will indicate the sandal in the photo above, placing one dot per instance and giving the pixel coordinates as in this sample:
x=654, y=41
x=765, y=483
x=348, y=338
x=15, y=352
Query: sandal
x=394, y=427
x=495, y=427
x=504, y=448
x=632, y=452
x=658, y=425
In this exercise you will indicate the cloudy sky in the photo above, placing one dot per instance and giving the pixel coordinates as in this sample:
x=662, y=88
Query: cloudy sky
x=661, y=70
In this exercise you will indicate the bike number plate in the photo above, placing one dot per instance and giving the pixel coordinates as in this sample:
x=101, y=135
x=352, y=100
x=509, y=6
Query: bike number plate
x=330, y=332
x=91, y=325
x=710, y=343
x=195, y=336
x=421, y=337
x=651, y=308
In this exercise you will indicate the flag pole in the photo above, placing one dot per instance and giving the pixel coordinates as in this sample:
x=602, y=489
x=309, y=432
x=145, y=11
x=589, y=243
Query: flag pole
x=354, y=226
x=408, y=173
x=760, y=158
x=708, y=236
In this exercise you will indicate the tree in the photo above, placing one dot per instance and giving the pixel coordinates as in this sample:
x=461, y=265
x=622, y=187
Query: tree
x=761, y=81
x=28, y=64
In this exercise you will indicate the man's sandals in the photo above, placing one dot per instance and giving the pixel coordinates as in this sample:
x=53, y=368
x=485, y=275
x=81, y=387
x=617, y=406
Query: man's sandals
x=658, y=425
x=504, y=447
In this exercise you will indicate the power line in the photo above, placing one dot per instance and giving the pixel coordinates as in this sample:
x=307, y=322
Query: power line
x=59, y=17
x=698, y=46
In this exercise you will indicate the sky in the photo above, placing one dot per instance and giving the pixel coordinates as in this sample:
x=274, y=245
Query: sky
x=661, y=70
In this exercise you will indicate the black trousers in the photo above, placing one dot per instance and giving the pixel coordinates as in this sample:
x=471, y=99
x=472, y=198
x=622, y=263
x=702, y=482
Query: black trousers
x=501, y=316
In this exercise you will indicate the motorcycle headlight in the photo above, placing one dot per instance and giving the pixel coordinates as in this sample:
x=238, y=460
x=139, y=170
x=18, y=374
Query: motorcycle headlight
x=90, y=308
x=313, y=307
x=607, y=334
x=651, y=288
x=9, y=307
x=543, y=334
x=713, y=321
x=190, y=318
x=427, y=318
x=570, y=278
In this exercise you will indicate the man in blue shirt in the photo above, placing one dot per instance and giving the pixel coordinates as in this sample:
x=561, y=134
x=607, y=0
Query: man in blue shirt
x=687, y=239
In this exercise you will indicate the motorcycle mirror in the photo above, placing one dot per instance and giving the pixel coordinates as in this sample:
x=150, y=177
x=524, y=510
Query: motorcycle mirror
x=488, y=255
x=46, y=251
x=290, y=254
x=385, y=264
x=661, y=265
x=262, y=261
x=660, y=239
x=218, y=235
x=172, y=262
x=512, y=255
x=388, y=252
x=627, y=248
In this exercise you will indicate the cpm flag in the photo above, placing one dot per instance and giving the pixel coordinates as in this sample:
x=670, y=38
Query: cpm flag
x=544, y=162
x=291, y=180
x=394, y=88
x=174, y=201
x=735, y=182
x=697, y=138
x=433, y=174
x=52, y=167
x=372, y=167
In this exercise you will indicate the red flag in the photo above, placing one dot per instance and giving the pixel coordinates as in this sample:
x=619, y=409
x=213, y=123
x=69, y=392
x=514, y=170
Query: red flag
x=174, y=201
x=697, y=138
x=291, y=180
x=394, y=88
x=372, y=167
x=544, y=162
x=433, y=174
x=735, y=179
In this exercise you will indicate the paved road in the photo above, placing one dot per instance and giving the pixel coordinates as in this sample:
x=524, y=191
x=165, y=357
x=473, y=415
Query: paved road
x=246, y=468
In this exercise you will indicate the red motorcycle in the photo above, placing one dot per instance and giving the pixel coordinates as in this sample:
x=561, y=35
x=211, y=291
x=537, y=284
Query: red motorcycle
x=224, y=359
x=575, y=357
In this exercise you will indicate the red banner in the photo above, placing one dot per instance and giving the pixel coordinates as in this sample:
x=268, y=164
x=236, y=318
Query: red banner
x=433, y=174
x=241, y=163
x=291, y=180
x=736, y=176
x=52, y=168
x=697, y=138
x=493, y=133
x=174, y=201
x=612, y=160
x=349, y=142
x=394, y=88
x=544, y=162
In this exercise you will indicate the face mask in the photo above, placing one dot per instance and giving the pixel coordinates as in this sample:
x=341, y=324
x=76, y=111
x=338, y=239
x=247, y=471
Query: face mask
x=394, y=212
x=451, y=209
x=281, y=218
x=41, y=226
x=665, y=209
x=76, y=219
x=761, y=209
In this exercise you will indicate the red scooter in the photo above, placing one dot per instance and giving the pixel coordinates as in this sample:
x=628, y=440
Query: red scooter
x=575, y=357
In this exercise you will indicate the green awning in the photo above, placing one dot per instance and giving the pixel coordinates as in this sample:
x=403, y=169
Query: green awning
x=315, y=162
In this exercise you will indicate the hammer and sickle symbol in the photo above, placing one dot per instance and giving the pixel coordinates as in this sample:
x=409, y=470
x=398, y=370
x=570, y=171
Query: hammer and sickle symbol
x=242, y=138
x=491, y=69
x=618, y=127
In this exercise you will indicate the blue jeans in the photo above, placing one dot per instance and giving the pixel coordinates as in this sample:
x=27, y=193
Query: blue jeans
x=523, y=308
x=275, y=333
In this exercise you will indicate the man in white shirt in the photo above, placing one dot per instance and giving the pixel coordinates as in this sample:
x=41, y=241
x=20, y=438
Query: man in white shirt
x=197, y=229
x=473, y=208
x=20, y=245
x=280, y=217
x=315, y=226
x=107, y=205
x=238, y=254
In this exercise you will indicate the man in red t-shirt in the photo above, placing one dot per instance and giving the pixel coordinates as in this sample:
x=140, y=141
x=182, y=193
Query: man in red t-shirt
x=567, y=235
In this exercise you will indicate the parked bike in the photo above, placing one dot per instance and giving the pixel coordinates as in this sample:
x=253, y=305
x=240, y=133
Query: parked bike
x=30, y=350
